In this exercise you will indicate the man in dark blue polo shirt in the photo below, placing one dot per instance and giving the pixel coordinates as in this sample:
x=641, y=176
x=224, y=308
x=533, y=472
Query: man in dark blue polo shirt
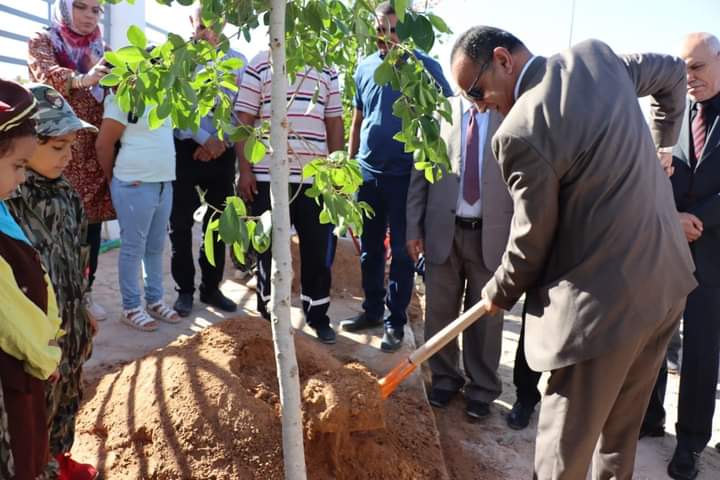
x=386, y=173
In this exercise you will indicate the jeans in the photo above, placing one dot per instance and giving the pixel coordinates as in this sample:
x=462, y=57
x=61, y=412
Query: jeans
x=143, y=212
x=387, y=195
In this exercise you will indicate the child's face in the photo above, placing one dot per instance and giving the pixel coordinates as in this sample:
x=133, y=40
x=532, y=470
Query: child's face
x=12, y=164
x=51, y=157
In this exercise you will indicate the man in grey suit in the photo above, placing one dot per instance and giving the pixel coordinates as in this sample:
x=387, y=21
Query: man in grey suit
x=595, y=241
x=461, y=223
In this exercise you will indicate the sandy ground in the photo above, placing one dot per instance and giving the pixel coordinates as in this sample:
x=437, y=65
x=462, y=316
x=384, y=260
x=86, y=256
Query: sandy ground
x=487, y=450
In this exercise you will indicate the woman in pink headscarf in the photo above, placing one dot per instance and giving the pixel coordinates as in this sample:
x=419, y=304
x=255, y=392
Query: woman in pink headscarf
x=69, y=56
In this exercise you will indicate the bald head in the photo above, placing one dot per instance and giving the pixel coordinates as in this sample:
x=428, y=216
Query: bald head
x=701, y=52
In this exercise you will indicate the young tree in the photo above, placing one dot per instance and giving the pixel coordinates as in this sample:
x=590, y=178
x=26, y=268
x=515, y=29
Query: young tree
x=182, y=80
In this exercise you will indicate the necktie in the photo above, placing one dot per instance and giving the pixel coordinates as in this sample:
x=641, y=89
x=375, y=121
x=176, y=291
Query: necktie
x=471, y=175
x=698, y=132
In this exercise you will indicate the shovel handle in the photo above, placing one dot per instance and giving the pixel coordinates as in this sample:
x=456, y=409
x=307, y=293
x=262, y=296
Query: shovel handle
x=402, y=370
x=443, y=337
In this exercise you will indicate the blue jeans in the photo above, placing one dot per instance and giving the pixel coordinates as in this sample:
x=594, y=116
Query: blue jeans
x=387, y=195
x=143, y=211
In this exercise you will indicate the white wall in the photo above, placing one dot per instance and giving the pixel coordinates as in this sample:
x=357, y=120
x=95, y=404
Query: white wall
x=121, y=17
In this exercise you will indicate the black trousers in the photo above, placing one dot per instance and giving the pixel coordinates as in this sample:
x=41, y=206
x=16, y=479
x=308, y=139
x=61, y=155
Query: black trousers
x=698, y=373
x=524, y=378
x=216, y=178
x=317, y=251
x=93, y=239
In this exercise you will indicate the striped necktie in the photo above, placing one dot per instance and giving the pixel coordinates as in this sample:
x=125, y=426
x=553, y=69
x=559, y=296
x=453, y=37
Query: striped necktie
x=699, y=132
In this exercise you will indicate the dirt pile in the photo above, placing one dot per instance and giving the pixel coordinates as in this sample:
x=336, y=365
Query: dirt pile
x=207, y=407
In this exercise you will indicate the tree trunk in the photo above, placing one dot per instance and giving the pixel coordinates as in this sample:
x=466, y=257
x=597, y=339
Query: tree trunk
x=283, y=332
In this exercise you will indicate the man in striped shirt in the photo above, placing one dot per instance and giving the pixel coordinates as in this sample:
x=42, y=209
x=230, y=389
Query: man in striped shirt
x=315, y=130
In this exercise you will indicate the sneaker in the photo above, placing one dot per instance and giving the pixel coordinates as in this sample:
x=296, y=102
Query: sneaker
x=94, y=309
x=72, y=470
x=218, y=300
x=325, y=334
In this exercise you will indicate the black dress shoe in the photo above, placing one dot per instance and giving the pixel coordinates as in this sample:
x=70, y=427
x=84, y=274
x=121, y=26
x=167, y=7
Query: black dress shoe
x=218, y=300
x=519, y=416
x=440, y=398
x=477, y=410
x=683, y=465
x=325, y=334
x=184, y=304
x=653, y=431
x=391, y=341
x=361, y=322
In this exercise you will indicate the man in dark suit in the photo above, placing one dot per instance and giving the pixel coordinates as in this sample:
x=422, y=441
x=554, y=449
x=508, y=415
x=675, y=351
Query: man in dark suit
x=696, y=184
x=595, y=241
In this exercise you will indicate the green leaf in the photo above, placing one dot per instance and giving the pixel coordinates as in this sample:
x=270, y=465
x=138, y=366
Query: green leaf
x=155, y=122
x=237, y=204
x=239, y=252
x=229, y=225
x=423, y=33
x=404, y=29
x=400, y=8
x=137, y=37
x=110, y=80
x=113, y=59
x=232, y=63
x=439, y=23
x=261, y=235
x=383, y=73
x=209, y=241
x=254, y=150
x=130, y=55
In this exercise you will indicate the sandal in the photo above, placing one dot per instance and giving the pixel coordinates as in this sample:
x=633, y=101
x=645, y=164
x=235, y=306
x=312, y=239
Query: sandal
x=163, y=313
x=138, y=319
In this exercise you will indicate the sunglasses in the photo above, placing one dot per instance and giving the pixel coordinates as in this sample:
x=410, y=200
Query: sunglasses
x=383, y=30
x=475, y=92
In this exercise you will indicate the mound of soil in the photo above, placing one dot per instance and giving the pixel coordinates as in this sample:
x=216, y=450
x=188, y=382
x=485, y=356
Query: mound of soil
x=207, y=407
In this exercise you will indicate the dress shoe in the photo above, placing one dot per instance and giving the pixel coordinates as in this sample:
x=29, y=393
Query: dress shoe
x=72, y=470
x=392, y=340
x=440, y=398
x=218, y=300
x=652, y=431
x=477, y=410
x=361, y=322
x=683, y=465
x=519, y=416
x=184, y=304
x=717, y=446
x=325, y=334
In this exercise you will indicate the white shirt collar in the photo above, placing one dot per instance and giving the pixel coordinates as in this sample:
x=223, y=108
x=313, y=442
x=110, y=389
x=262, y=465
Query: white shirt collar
x=522, y=74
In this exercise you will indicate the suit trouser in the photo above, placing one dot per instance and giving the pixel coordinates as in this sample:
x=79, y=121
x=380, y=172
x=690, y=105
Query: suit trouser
x=525, y=379
x=445, y=283
x=317, y=251
x=592, y=411
x=216, y=178
x=698, y=372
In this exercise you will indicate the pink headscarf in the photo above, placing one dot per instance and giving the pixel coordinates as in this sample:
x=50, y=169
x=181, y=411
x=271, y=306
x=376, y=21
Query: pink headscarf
x=74, y=50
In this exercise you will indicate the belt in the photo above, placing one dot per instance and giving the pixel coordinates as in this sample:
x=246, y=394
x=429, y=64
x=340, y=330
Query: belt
x=468, y=223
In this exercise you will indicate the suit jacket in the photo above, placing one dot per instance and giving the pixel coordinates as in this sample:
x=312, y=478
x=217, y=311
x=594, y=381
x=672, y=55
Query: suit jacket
x=431, y=206
x=595, y=239
x=698, y=192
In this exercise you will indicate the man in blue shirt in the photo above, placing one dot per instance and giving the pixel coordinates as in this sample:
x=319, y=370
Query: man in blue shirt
x=207, y=162
x=386, y=172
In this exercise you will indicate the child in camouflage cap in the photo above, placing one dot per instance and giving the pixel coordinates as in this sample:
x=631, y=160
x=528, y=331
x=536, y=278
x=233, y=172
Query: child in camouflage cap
x=50, y=213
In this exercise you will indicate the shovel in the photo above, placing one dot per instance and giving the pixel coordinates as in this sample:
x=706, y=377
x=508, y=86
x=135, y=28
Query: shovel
x=402, y=370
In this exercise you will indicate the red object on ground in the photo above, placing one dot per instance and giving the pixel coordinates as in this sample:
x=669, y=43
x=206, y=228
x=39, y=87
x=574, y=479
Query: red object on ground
x=72, y=470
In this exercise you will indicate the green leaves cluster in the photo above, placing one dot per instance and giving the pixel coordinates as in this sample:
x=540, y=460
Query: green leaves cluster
x=335, y=181
x=237, y=229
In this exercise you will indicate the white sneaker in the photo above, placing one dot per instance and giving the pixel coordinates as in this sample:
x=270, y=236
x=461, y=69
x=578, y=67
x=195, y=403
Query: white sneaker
x=94, y=309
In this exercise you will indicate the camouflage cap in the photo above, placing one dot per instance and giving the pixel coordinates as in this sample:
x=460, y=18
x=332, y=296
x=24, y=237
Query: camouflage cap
x=55, y=117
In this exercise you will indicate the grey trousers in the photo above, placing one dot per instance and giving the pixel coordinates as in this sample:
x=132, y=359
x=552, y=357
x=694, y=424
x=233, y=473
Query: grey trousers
x=463, y=273
x=591, y=411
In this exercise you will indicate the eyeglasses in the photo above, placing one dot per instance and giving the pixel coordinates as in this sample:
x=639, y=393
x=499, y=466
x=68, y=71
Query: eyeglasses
x=475, y=92
x=383, y=30
x=82, y=7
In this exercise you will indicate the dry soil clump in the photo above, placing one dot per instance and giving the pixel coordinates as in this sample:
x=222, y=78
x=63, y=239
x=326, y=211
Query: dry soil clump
x=207, y=407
